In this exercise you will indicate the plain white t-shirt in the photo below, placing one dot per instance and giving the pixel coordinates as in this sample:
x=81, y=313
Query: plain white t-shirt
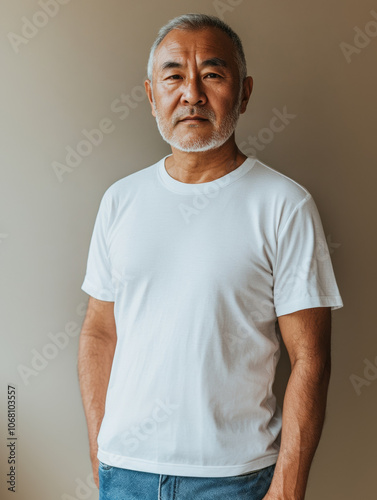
x=199, y=274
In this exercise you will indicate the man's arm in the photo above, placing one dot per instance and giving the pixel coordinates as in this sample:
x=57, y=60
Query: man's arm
x=306, y=334
x=96, y=352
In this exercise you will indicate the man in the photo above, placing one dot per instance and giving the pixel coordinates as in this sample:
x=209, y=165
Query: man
x=196, y=265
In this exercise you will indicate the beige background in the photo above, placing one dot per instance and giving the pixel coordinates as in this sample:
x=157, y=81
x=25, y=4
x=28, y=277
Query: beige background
x=66, y=78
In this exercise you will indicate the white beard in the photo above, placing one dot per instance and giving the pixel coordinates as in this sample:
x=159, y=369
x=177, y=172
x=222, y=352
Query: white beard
x=190, y=145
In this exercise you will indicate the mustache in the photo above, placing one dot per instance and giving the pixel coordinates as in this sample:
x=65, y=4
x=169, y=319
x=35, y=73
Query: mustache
x=194, y=110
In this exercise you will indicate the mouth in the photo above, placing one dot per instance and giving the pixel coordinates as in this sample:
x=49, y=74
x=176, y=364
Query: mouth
x=194, y=119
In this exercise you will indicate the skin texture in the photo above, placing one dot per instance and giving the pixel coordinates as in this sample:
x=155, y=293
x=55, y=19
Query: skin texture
x=96, y=352
x=212, y=91
x=306, y=335
x=202, y=88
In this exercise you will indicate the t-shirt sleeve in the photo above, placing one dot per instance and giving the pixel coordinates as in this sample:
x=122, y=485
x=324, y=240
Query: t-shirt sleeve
x=98, y=278
x=303, y=272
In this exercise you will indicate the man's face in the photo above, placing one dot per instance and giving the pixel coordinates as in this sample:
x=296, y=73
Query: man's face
x=195, y=75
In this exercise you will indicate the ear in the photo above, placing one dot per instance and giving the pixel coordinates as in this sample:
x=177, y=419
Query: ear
x=247, y=89
x=148, y=90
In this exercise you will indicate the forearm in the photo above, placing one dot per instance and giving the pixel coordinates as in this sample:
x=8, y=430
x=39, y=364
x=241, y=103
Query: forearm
x=94, y=366
x=302, y=422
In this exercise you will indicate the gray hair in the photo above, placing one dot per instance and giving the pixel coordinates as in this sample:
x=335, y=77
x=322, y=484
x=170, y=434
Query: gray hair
x=193, y=22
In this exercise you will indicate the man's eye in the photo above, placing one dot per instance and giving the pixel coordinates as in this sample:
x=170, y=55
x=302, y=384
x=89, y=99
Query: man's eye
x=174, y=77
x=213, y=75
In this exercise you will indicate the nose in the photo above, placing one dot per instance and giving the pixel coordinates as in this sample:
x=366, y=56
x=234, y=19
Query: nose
x=193, y=92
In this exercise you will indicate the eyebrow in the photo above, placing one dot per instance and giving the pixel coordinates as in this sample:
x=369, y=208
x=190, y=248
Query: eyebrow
x=213, y=61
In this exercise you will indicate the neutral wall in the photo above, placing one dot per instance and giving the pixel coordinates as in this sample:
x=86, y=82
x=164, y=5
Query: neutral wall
x=67, y=76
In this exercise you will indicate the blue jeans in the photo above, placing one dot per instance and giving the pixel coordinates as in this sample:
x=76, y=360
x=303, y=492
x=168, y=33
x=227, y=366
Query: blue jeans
x=126, y=484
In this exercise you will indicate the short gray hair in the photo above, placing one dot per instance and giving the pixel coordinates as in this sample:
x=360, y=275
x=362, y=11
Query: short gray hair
x=192, y=22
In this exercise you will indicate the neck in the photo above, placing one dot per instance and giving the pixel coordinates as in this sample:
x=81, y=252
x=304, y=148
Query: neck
x=204, y=166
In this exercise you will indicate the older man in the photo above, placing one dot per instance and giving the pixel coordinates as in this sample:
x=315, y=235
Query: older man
x=196, y=265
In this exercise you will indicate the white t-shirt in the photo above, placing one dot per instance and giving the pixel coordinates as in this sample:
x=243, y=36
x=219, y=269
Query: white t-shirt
x=199, y=274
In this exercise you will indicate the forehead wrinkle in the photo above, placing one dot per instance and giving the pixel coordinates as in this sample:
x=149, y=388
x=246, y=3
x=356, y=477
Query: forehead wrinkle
x=185, y=48
x=170, y=64
x=210, y=62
